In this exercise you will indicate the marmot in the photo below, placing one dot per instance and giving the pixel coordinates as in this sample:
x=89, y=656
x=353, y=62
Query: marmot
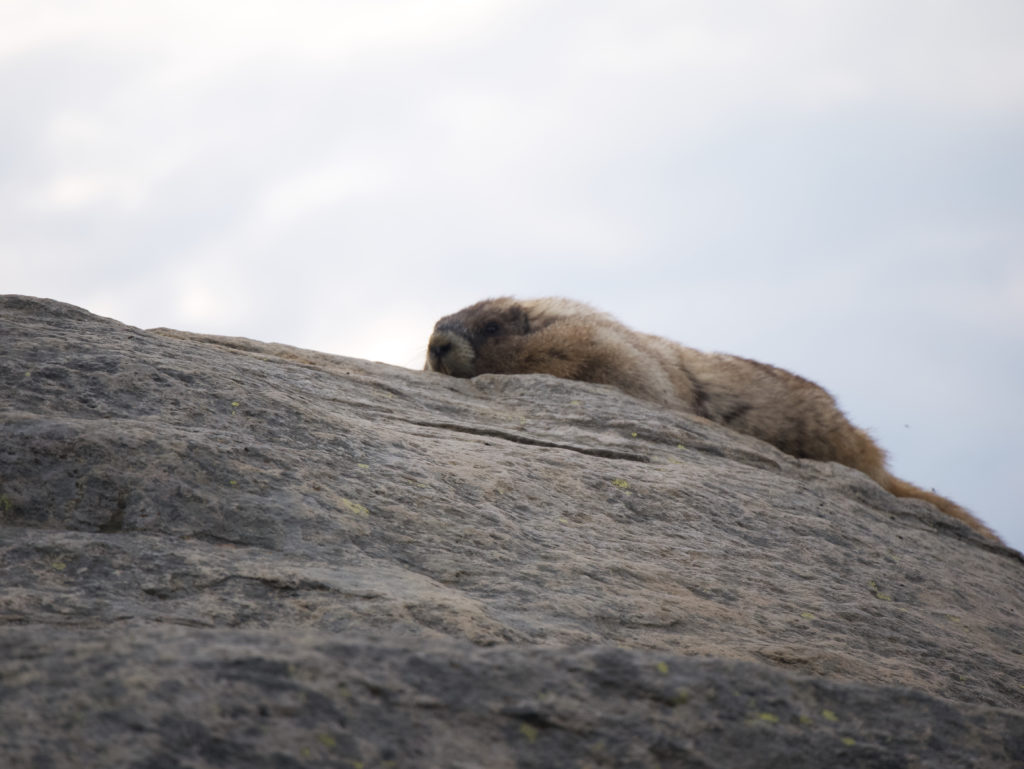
x=574, y=341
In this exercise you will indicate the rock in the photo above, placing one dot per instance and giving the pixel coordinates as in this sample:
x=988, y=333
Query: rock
x=216, y=551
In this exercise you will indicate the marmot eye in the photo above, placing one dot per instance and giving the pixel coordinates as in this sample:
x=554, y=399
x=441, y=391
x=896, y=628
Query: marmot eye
x=491, y=328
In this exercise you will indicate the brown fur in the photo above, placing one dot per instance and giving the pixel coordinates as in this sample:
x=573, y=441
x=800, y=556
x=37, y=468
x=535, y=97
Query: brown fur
x=574, y=341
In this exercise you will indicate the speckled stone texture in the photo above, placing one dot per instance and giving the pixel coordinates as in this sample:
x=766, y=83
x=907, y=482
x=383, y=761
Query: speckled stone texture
x=219, y=552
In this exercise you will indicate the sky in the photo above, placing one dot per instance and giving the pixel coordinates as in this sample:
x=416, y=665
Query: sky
x=833, y=187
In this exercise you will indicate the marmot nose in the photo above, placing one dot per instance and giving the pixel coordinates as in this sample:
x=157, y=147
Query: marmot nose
x=439, y=350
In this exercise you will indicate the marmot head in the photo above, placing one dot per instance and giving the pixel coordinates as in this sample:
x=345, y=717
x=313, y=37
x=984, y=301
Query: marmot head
x=466, y=344
x=515, y=336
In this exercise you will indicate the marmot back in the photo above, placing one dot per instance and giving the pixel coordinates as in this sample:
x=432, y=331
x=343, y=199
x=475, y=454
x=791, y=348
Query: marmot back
x=572, y=340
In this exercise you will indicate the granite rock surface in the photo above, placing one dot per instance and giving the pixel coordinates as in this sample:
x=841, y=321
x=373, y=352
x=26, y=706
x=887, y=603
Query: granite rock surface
x=221, y=552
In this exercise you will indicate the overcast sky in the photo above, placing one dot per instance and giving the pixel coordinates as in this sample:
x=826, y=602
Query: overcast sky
x=835, y=187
